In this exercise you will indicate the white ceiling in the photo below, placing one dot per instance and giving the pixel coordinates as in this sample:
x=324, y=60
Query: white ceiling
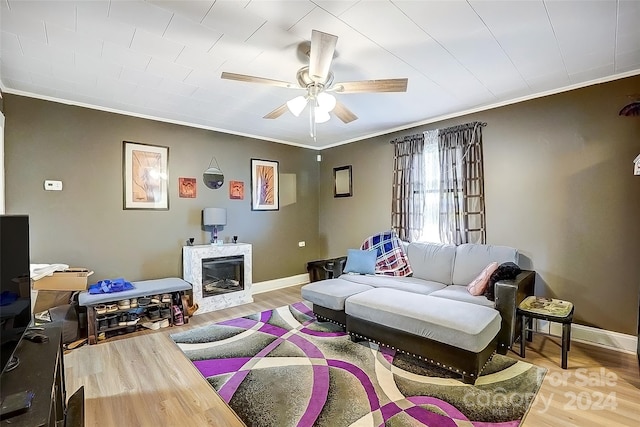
x=163, y=59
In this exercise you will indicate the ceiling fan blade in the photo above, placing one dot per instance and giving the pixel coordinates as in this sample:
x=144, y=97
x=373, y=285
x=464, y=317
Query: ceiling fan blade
x=343, y=113
x=323, y=46
x=277, y=112
x=385, y=85
x=254, y=79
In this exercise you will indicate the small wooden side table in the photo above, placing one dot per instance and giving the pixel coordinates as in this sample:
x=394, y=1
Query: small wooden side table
x=551, y=310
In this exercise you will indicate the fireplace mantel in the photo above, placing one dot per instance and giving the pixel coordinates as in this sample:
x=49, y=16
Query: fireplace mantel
x=192, y=257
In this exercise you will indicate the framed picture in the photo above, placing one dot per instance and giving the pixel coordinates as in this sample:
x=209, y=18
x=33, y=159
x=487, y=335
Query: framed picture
x=342, y=183
x=236, y=190
x=187, y=188
x=145, y=174
x=264, y=185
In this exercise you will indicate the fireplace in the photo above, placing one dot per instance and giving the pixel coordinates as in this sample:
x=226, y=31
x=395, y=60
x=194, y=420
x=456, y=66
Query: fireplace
x=222, y=275
x=219, y=274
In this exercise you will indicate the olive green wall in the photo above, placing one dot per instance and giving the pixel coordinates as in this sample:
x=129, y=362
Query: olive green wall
x=85, y=224
x=559, y=187
x=558, y=181
x=346, y=221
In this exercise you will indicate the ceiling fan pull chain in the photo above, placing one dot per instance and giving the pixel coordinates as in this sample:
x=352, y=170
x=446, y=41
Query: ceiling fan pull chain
x=312, y=120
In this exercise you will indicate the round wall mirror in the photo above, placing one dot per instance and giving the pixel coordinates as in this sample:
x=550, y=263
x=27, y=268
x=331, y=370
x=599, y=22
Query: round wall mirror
x=213, y=178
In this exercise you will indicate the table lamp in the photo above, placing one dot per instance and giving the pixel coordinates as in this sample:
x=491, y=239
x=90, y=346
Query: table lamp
x=214, y=217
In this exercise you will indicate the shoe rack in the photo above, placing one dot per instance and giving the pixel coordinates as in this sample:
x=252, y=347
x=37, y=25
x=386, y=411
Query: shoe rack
x=121, y=317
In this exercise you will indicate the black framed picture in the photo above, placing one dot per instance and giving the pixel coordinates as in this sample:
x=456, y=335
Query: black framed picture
x=342, y=182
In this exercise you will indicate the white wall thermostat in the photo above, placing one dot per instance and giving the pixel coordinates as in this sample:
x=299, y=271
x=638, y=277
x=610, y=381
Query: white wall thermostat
x=53, y=185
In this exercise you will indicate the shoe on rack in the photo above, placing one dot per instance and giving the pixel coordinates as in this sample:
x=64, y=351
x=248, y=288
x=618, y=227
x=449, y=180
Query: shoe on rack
x=101, y=309
x=152, y=325
x=102, y=324
x=132, y=319
x=123, y=319
x=144, y=301
x=111, y=308
x=154, y=313
x=113, y=321
x=155, y=299
x=166, y=298
x=165, y=312
x=134, y=302
x=124, y=304
x=178, y=320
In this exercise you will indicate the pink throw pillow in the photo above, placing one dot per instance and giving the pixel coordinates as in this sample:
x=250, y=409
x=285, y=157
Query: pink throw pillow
x=480, y=283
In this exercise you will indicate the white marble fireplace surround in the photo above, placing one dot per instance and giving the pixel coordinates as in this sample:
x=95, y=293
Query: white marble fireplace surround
x=192, y=257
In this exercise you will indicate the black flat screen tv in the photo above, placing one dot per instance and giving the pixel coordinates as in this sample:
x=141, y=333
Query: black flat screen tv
x=15, y=289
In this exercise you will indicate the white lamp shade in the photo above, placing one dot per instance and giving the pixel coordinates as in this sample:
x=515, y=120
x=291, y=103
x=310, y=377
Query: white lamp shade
x=214, y=216
x=296, y=105
x=321, y=115
x=326, y=102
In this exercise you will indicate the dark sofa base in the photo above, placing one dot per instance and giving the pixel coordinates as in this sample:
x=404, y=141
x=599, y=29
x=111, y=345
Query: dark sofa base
x=334, y=316
x=464, y=362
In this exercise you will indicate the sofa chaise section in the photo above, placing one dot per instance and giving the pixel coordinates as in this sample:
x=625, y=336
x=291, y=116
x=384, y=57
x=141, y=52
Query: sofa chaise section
x=328, y=297
x=456, y=335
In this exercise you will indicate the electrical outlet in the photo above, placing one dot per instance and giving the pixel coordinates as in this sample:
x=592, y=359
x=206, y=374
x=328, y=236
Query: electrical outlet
x=302, y=244
x=52, y=185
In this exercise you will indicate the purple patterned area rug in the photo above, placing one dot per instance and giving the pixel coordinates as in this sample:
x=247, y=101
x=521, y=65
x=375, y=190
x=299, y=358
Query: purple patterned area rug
x=283, y=368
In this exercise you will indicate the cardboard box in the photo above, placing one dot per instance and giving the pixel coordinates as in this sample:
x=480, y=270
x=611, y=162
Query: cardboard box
x=49, y=299
x=71, y=279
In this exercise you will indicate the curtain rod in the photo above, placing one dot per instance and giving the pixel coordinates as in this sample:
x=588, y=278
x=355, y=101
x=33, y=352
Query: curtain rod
x=448, y=129
x=463, y=126
x=406, y=137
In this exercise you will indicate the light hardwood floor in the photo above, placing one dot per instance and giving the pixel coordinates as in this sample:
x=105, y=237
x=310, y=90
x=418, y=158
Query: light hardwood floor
x=144, y=379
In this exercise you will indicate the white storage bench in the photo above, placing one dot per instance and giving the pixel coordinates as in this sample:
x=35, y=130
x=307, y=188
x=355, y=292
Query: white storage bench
x=144, y=288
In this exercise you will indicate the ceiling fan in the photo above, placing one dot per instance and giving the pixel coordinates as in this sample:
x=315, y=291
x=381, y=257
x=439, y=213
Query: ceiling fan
x=317, y=80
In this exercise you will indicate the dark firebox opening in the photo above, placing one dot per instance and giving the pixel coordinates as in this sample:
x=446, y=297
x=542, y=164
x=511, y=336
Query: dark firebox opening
x=222, y=275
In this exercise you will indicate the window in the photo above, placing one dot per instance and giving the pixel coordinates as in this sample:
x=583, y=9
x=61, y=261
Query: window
x=438, y=186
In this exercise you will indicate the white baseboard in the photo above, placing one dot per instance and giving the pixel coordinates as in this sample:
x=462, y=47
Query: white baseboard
x=594, y=336
x=284, y=282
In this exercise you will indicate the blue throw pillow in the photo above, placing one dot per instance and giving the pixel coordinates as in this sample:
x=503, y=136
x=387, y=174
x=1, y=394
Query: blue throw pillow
x=361, y=262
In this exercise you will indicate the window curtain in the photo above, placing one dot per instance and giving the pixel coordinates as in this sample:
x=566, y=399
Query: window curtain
x=408, y=199
x=462, y=214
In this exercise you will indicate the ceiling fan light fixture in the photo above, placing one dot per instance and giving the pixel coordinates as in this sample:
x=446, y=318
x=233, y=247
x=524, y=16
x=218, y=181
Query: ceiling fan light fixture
x=296, y=105
x=326, y=101
x=321, y=115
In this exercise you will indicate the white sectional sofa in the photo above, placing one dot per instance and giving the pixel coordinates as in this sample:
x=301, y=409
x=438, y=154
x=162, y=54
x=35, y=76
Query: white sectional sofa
x=430, y=314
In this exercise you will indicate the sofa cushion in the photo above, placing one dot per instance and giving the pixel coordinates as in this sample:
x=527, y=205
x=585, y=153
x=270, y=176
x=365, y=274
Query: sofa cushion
x=460, y=293
x=410, y=284
x=360, y=261
x=331, y=293
x=433, y=261
x=467, y=326
x=471, y=259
